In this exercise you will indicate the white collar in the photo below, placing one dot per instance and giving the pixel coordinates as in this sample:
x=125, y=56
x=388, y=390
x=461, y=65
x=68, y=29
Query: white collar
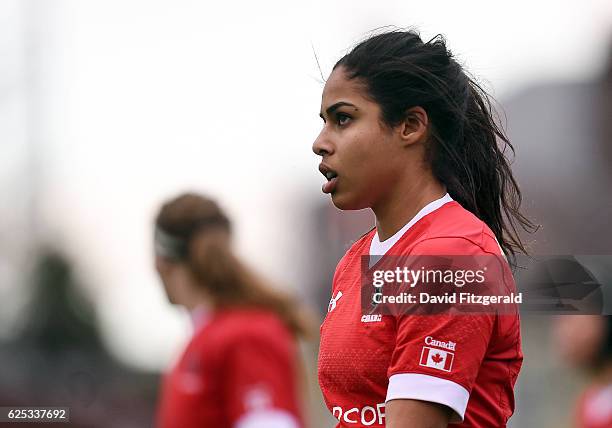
x=378, y=248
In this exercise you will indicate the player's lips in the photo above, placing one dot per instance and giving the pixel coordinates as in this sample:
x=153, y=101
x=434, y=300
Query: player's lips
x=331, y=176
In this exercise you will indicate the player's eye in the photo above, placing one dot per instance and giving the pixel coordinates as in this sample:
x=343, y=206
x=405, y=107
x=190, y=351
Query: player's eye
x=342, y=119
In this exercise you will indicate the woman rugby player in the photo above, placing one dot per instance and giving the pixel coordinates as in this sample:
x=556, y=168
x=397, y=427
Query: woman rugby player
x=240, y=368
x=409, y=135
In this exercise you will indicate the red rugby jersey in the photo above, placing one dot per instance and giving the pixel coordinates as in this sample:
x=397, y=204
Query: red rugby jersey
x=595, y=407
x=239, y=370
x=366, y=361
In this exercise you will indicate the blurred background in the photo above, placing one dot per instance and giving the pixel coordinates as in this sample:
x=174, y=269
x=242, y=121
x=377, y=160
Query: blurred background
x=108, y=108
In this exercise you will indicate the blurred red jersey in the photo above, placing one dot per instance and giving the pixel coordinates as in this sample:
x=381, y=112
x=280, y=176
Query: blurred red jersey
x=595, y=407
x=468, y=362
x=238, y=371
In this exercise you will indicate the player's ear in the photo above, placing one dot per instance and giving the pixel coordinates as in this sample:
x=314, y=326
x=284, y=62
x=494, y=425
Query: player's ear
x=413, y=129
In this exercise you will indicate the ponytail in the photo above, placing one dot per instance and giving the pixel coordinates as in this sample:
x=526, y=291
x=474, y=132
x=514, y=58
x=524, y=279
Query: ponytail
x=230, y=283
x=473, y=165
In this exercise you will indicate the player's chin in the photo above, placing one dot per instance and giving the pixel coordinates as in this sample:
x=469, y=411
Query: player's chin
x=344, y=200
x=170, y=297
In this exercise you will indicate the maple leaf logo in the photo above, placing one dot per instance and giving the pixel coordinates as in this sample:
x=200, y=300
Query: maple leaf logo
x=437, y=358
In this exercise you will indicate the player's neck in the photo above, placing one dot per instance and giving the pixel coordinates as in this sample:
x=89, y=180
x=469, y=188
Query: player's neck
x=404, y=203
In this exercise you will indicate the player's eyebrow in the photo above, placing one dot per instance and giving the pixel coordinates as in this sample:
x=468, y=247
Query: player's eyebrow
x=335, y=107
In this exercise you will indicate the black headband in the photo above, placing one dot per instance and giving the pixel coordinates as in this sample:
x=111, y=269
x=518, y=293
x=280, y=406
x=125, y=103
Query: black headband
x=176, y=247
x=169, y=246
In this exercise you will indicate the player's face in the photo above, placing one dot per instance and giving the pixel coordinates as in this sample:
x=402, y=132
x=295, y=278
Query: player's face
x=360, y=157
x=164, y=269
x=174, y=277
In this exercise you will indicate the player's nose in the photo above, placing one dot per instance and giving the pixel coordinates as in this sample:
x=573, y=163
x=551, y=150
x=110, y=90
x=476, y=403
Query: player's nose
x=322, y=145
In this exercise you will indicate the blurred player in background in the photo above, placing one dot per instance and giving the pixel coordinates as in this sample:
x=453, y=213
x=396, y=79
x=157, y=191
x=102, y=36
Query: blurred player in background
x=409, y=135
x=585, y=341
x=240, y=368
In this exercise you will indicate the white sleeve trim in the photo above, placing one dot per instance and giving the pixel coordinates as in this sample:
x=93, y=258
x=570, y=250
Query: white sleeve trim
x=267, y=418
x=422, y=387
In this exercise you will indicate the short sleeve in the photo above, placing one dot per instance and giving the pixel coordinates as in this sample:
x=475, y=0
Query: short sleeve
x=259, y=379
x=437, y=357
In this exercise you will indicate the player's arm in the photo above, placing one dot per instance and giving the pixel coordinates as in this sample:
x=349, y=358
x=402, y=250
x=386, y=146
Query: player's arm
x=416, y=414
x=259, y=384
x=429, y=386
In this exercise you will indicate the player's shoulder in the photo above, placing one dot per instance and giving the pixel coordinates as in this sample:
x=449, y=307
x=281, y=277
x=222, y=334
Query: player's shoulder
x=234, y=325
x=452, y=229
x=357, y=249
